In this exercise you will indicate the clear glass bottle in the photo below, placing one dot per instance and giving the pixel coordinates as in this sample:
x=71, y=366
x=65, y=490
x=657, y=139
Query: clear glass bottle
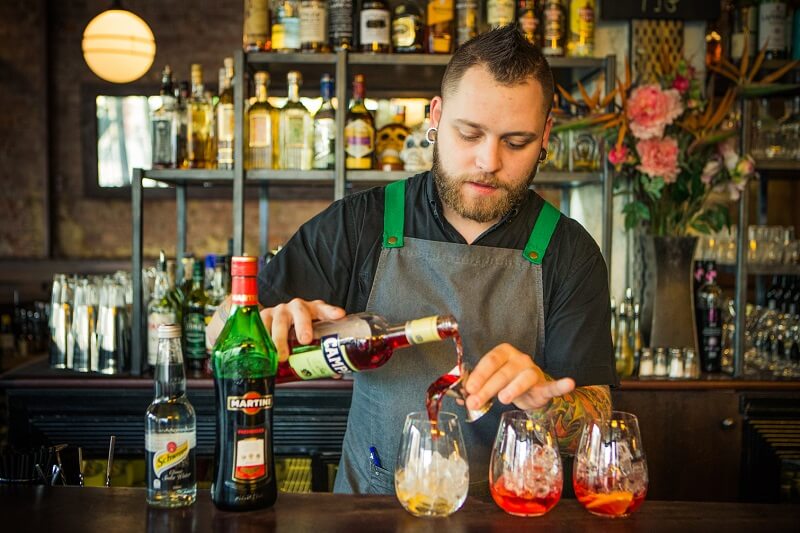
x=198, y=123
x=325, y=128
x=225, y=122
x=163, y=124
x=499, y=13
x=255, y=37
x=296, y=128
x=170, y=429
x=313, y=25
x=194, y=323
x=262, y=126
x=581, y=28
x=468, y=20
x=359, y=130
x=285, y=25
x=660, y=365
x=375, y=27
x=529, y=20
x=623, y=353
x=408, y=25
x=160, y=309
x=555, y=27
x=216, y=293
x=440, y=27
x=182, y=95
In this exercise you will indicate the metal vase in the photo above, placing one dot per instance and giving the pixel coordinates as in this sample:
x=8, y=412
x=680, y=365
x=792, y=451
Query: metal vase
x=667, y=318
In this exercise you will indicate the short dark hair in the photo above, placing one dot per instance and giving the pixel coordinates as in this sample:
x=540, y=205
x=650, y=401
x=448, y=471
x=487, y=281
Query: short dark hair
x=507, y=55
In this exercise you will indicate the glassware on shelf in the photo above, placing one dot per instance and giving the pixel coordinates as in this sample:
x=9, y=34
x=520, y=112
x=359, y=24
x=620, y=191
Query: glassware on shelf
x=610, y=470
x=432, y=474
x=525, y=472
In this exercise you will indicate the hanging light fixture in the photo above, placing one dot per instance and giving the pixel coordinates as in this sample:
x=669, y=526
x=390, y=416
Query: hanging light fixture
x=118, y=46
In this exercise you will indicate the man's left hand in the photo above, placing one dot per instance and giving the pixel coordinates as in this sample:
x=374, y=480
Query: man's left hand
x=512, y=376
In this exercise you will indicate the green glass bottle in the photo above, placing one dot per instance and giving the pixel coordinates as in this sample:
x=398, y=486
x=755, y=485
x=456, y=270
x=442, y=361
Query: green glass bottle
x=194, y=322
x=244, y=362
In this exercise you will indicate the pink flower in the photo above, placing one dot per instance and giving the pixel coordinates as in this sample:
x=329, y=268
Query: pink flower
x=680, y=84
x=650, y=110
x=745, y=168
x=617, y=155
x=659, y=158
x=711, y=169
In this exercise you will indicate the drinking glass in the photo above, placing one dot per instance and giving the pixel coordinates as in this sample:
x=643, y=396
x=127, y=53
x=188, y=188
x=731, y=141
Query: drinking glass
x=610, y=470
x=432, y=475
x=525, y=472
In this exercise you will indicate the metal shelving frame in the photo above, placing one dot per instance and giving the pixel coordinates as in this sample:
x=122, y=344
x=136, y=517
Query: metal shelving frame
x=341, y=179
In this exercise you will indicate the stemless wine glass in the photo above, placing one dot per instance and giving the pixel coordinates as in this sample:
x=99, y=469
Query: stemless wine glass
x=525, y=472
x=432, y=474
x=610, y=470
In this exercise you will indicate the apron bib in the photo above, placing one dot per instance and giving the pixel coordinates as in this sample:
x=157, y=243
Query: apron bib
x=495, y=295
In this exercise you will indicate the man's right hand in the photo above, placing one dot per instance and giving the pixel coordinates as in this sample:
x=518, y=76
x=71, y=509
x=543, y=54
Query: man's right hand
x=300, y=314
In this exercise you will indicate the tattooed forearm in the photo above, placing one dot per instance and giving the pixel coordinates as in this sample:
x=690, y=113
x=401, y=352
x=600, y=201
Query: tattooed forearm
x=571, y=410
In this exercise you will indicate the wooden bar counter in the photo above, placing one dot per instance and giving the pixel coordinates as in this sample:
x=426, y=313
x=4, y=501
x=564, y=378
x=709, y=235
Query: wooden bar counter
x=120, y=510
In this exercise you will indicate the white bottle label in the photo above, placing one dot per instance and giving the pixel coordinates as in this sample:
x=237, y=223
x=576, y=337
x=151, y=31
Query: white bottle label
x=169, y=449
x=313, y=22
x=250, y=464
x=375, y=26
x=772, y=26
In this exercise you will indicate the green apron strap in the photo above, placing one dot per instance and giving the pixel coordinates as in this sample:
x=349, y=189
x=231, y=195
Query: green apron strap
x=541, y=234
x=394, y=213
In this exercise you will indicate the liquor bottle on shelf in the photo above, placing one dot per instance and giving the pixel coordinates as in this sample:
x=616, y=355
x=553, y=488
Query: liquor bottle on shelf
x=182, y=95
x=529, y=20
x=296, y=130
x=313, y=25
x=255, y=37
x=164, y=122
x=440, y=26
x=745, y=24
x=244, y=362
x=359, y=130
x=198, y=124
x=225, y=125
x=375, y=27
x=408, y=28
x=340, y=24
x=581, y=28
x=555, y=30
x=772, y=16
x=623, y=353
x=285, y=25
x=468, y=20
x=262, y=120
x=709, y=321
x=363, y=341
x=194, y=322
x=390, y=140
x=499, y=13
x=170, y=429
x=417, y=154
x=160, y=310
x=325, y=128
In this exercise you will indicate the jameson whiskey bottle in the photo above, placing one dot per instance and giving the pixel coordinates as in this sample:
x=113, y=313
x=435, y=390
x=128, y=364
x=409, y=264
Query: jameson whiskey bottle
x=194, y=322
x=325, y=128
x=244, y=362
x=160, y=310
x=359, y=130
x=555, y=27
x=358, y=342
x=198, y=123
x=164, y=123
x=225, y=119
x=170, y=433
x=440, y=28
x=262, y=124
x=256, y=26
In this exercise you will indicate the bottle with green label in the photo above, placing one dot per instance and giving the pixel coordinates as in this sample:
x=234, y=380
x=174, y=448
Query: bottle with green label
x=358, y=342
x=194, y=321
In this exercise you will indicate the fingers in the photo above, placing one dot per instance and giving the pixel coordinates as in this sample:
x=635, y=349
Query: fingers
x=325, y=311
x=300, y=314
x=281, y=322
x=487, y=366
x=540, y=395
x=301, y=317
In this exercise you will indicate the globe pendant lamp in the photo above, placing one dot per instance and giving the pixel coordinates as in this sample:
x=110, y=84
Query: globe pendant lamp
x=118, y=46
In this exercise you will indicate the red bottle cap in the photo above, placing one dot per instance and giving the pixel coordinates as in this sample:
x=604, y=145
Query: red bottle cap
x=244, y=266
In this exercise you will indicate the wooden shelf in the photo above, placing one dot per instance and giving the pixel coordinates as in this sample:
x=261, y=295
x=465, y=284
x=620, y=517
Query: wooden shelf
x=791, y=165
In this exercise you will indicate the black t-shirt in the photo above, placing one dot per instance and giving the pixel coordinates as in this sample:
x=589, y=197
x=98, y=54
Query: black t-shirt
x=334, y=256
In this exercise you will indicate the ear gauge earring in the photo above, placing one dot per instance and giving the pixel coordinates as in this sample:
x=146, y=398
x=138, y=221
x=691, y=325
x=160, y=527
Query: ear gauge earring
x=428, y=135
x=542, y=155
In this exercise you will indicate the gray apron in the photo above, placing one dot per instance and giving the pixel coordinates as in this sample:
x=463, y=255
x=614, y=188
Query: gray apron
x=495, y=295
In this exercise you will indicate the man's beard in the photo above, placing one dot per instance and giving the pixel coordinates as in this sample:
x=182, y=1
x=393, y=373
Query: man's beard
x=485, y=209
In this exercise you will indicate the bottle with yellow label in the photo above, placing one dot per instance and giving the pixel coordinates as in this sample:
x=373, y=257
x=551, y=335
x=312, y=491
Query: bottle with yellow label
x=170, y=433
x=440, y=26
x=363, y=341
x=581, y=28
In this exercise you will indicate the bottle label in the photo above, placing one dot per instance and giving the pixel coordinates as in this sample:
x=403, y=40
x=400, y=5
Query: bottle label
x=244, y=291
x=170, y=459
x=286, y=34
x=359, y=137
x=225, y=122
x=294, y=130
x=440, y=11
x=772, y=26
x=260, y=131
x=255, y=20
x=313, y=22
x=153, y=321
x=250, y=459
x=554, y=28
x=341, y=21
x=250, y=403
x=499, y=13
x=422, y=330
x=195, y=331
x=403, y=33
x=323, y=361
x=324, y=143
x=375, y=24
